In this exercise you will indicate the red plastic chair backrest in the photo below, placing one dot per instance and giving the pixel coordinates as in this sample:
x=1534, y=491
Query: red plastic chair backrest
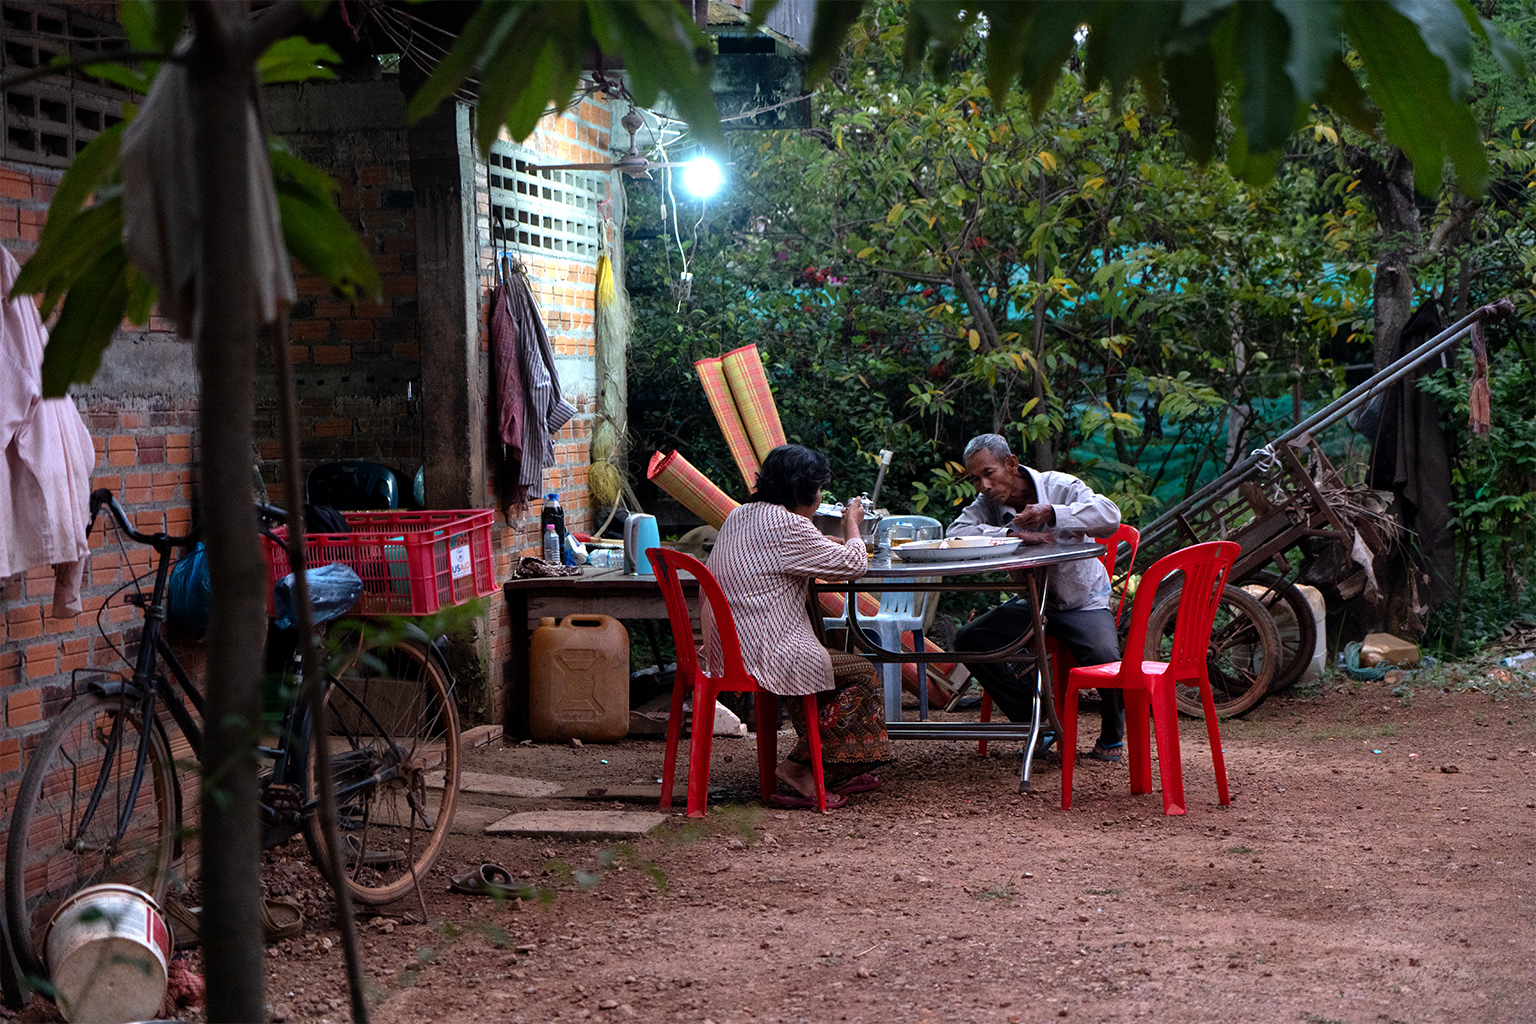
x=667, y=564
x=1205, y=568
x=1124, y=535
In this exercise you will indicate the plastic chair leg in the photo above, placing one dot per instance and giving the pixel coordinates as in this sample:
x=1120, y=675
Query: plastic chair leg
x=922, y=675
x=674, y=730
x=766, y=706
x=1068, y=715
x=698, y=753
x=813, y=737
x=986, y=716
x=1165, y=722
x=1138, y=740
x=1218, y=759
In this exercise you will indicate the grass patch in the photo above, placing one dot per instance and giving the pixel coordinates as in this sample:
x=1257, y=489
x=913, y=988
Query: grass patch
x=995, y=891
x=1105, y=892
x=1238, y=849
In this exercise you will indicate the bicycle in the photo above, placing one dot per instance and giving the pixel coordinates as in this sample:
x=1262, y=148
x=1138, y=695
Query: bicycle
x=100, y=800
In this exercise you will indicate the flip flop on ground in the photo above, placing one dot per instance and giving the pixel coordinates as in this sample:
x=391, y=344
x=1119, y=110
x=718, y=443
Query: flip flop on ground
x=1110, y=754
x=794, y=801
x=487, y=880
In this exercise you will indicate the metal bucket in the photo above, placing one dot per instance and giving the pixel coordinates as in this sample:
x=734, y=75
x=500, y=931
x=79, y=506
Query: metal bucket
x=107, y=951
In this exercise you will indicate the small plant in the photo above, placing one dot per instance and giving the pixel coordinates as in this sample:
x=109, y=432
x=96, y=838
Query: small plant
x=995, y=891
x=1237, y=849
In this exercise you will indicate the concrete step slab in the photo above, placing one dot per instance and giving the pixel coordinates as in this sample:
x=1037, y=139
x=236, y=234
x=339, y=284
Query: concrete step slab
x=624, y=794
x=501, y=785
x=577, y=824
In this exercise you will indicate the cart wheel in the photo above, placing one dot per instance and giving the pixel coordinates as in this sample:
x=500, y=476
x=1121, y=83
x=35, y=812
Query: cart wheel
x=1241, y=661
x=1294, y=621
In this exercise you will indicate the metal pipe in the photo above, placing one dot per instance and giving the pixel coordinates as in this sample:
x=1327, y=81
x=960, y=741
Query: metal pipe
x=1333, y=412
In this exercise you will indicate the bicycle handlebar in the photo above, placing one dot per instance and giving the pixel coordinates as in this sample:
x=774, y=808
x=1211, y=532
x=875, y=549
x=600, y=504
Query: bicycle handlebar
x=102, y=498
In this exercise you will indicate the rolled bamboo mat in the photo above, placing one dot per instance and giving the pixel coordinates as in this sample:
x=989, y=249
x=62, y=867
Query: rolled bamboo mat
x=754, y=399
x=679, y=478
x=723, y=404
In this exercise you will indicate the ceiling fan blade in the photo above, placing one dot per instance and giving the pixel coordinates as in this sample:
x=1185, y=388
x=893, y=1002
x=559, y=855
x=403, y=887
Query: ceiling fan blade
x=571, y=167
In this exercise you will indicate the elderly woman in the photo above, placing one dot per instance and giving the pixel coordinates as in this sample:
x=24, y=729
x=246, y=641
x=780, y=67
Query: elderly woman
x=766, y=555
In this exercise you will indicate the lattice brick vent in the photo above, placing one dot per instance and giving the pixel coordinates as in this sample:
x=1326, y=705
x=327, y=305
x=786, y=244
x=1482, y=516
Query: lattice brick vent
x=548, y=211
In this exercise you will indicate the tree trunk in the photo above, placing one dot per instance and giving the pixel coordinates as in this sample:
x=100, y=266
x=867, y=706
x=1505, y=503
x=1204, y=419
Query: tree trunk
x=1389, y=186
x=223, y=81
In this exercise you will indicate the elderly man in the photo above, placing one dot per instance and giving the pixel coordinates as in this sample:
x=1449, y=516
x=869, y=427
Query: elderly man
x=1014, y=500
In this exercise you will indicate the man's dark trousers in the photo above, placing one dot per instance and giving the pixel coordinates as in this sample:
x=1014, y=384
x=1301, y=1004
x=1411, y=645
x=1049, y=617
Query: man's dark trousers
x=1089, y=634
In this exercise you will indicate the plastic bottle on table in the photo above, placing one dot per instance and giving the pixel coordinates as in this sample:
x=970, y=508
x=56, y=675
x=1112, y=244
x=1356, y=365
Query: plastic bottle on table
x=554, y=515
x=551, y=545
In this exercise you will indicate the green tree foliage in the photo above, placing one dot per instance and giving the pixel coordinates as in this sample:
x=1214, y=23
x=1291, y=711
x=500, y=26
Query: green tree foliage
x=1400, y=66
x=926, y=265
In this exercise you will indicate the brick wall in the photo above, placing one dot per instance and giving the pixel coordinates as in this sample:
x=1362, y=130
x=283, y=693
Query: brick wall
x=564, y=291
x=356, y=364
x=142, y=415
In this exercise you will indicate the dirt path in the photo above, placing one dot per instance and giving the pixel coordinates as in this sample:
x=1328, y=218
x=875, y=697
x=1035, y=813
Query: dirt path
x=1375, y=865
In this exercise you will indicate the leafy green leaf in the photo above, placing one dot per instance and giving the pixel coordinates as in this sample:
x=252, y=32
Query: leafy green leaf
x=90, y=167
x=833, y=20
x=153, y=25
x=59, y=266
x=1268, y=98
x=1315, y=27
x=320, y=238
x=1411, y=85
x=483, y=33
x=296, y=59
x=91, y=315
x=121, y=74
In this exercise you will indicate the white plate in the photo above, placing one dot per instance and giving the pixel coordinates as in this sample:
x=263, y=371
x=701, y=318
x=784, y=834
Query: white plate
x=958, y=549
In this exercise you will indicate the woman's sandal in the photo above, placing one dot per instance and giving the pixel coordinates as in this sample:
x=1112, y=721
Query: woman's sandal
x=1109, y=755
x=858, y=784
x=281, y=918
x=794, y=801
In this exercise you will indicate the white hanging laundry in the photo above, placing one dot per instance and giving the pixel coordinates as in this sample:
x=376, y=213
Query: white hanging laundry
x=46, y=457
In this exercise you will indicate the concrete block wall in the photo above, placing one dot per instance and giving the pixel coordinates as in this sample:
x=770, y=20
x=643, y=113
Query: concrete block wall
x=142, y=412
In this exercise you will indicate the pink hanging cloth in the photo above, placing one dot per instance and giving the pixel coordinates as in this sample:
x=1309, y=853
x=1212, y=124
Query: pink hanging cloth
x=46, y=457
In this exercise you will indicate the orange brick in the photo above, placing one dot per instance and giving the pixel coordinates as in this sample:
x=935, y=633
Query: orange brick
x=122, y=451
x=355, y=330
x=23, y=708
x=331, y=354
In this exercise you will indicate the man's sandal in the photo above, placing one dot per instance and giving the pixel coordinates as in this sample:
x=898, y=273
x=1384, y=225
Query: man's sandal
x=1110, y=754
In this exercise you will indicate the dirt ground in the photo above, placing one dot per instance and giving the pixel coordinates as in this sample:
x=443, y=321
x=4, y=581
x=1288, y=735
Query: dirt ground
x=1375, y=865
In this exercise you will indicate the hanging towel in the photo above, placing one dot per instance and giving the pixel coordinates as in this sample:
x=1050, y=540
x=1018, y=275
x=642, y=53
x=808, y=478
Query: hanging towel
x=162, y=225
x=509, y=376
x=46, y=457
x=545, y=409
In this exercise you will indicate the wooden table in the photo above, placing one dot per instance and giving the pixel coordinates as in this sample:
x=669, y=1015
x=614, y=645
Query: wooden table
x=1032, y=561
x=595, y=592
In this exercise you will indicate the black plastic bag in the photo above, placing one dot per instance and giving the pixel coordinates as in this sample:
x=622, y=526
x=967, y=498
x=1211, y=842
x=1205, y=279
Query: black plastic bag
x=333, y=590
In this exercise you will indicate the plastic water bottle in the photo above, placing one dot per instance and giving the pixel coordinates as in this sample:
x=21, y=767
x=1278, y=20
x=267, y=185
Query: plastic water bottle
x=551, y=545
x=554, y=515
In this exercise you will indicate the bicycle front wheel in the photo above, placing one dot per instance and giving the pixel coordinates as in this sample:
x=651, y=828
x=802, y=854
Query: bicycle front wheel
x=74, y=824
x=394, y=756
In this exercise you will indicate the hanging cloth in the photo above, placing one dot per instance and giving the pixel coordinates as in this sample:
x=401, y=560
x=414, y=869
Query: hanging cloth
x=544, y=409
x=162, y=222
x=46, y=457
x=508, y=395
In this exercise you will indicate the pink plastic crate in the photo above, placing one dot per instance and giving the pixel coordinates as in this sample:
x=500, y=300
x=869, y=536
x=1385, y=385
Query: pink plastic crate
x=411, y=563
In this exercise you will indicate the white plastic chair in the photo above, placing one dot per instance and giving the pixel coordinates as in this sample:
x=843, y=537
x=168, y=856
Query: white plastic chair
x=900, y=612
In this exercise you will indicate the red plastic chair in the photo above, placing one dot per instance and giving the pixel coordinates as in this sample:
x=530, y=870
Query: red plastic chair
x=1061, y=658
x=705, y=688
x=1151, y=683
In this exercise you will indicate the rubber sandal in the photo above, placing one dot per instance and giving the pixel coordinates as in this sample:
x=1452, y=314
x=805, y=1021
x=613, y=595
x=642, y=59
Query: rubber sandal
x=487, y=880
x=794, y=801
x=281, y=918
x=1109, y=754
x=858, y=784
